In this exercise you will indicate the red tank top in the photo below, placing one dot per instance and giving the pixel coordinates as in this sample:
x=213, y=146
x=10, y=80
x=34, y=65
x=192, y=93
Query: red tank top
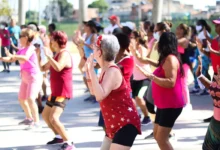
x=118, y=109
x=61, y=82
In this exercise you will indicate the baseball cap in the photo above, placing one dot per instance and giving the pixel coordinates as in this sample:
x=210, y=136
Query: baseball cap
x=112, y=17
x=217, y=21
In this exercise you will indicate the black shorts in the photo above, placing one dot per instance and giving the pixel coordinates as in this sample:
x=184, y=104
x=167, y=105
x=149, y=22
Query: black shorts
x=167, y=117
x=126, y=135
x=150, y=107
x=137, y=85
x=57, y=101
x=101, y=122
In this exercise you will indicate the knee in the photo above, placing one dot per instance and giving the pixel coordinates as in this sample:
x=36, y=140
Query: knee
x=160, y=139
x=54, y=120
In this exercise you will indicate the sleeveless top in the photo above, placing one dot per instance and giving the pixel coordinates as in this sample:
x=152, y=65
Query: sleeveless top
x=118, y=109
x=137, y=74
x=88, y=51
x=31, y=65
x=167, y=97
x=61, y=82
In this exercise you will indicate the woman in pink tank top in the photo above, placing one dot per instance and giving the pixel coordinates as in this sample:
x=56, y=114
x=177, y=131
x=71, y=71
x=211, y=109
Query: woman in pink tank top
x=166, y=89
x=31, y=79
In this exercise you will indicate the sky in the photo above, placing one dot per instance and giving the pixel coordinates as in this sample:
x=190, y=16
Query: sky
x=34, y=4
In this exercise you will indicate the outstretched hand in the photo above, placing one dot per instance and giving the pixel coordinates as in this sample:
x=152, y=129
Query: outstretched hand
x=8, y=54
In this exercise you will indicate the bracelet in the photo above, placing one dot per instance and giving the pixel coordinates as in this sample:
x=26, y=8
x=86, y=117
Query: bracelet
x=200, y=76
x=88, y=80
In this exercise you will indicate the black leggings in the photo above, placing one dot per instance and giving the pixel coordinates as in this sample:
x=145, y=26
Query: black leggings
x=5, y=64
x=126, y=135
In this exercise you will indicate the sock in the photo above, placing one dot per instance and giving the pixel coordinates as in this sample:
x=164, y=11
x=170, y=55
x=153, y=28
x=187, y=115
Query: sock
x=58, y=136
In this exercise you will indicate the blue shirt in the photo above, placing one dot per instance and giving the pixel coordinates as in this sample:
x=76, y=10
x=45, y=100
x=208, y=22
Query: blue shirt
x=16, y=30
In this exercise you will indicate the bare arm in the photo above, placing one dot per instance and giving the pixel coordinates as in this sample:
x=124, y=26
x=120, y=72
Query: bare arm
x=61, y=63
x=112, y=79
x=92, y=42
x=206, y=82
x=183, y=42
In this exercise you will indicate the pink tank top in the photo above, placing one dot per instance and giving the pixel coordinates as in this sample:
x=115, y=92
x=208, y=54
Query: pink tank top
x=167, y=97
x=137, y=74
x=30, y=65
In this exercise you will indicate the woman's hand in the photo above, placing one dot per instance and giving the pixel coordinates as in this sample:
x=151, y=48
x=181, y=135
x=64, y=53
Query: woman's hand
x=199, y=69
x=8, y=54
x=47, y=51
x=90, y=63
x=147, y=74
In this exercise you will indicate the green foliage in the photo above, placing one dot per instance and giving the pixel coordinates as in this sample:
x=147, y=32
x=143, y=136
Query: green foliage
x=5, y=9
x=102, y=5
x=66, y=8
x=32, y=15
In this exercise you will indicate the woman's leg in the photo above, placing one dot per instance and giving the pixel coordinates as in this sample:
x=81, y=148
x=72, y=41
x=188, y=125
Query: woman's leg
x=46, y=116
x=119, y=147
x=162, y=138
x=55, y=121
x=106, y=143
x=3, y=55
x=141, y=103
x=34, y=109
x=25, y=106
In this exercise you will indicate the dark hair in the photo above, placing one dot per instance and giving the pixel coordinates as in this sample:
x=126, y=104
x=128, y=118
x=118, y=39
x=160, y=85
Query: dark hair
x=204, y=24
x=126, y=30
x=186, y=29
x=151, y=29
x=35, y=24
x=140, y=39
x=167, y=45
x=52, y=26
x=23, y=26
x=117, y=31
x=123, y=40
x=60, y=37
x=193, y=30
x=164, y=26
x=147, y=22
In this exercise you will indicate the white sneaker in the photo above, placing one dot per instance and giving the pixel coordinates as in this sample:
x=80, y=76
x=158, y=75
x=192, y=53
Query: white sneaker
x=34, y=126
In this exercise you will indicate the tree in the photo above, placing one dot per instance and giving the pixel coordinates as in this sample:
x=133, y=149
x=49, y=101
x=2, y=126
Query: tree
x=5, y=9
x=102, y=5
x=31, y=15
x=66, y=8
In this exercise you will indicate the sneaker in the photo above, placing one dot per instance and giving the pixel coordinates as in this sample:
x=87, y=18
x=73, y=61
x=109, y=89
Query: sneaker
x=208, y=119
x=172, y=137
x=55, y=141
x=194, y=91
x=4, y=70
x=33, y=126
x=66, y=146
x=26, y=122
x=151, y=136
x=146, y=121
x=88, y=99
x=8, y=71
x=204, y=92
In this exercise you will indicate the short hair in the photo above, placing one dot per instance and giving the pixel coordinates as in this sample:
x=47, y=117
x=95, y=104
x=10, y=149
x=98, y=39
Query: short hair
x=33, y=26
x=110, y=47
x=61, y=38
x=53, y=26
x=28, y=33
x=123, y=40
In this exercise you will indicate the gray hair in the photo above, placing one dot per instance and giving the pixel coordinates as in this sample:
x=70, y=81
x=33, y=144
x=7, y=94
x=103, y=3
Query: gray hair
x=110, y=47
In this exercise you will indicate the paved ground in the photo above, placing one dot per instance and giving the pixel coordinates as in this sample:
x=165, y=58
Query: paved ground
x=81, y=118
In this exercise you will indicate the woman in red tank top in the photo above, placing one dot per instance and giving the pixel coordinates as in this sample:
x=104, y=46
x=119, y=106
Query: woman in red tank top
x=61, y=88
x=111, y=91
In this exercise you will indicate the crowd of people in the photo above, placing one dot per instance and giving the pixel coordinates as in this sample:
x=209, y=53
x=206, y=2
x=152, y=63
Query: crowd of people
x=119, y=73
